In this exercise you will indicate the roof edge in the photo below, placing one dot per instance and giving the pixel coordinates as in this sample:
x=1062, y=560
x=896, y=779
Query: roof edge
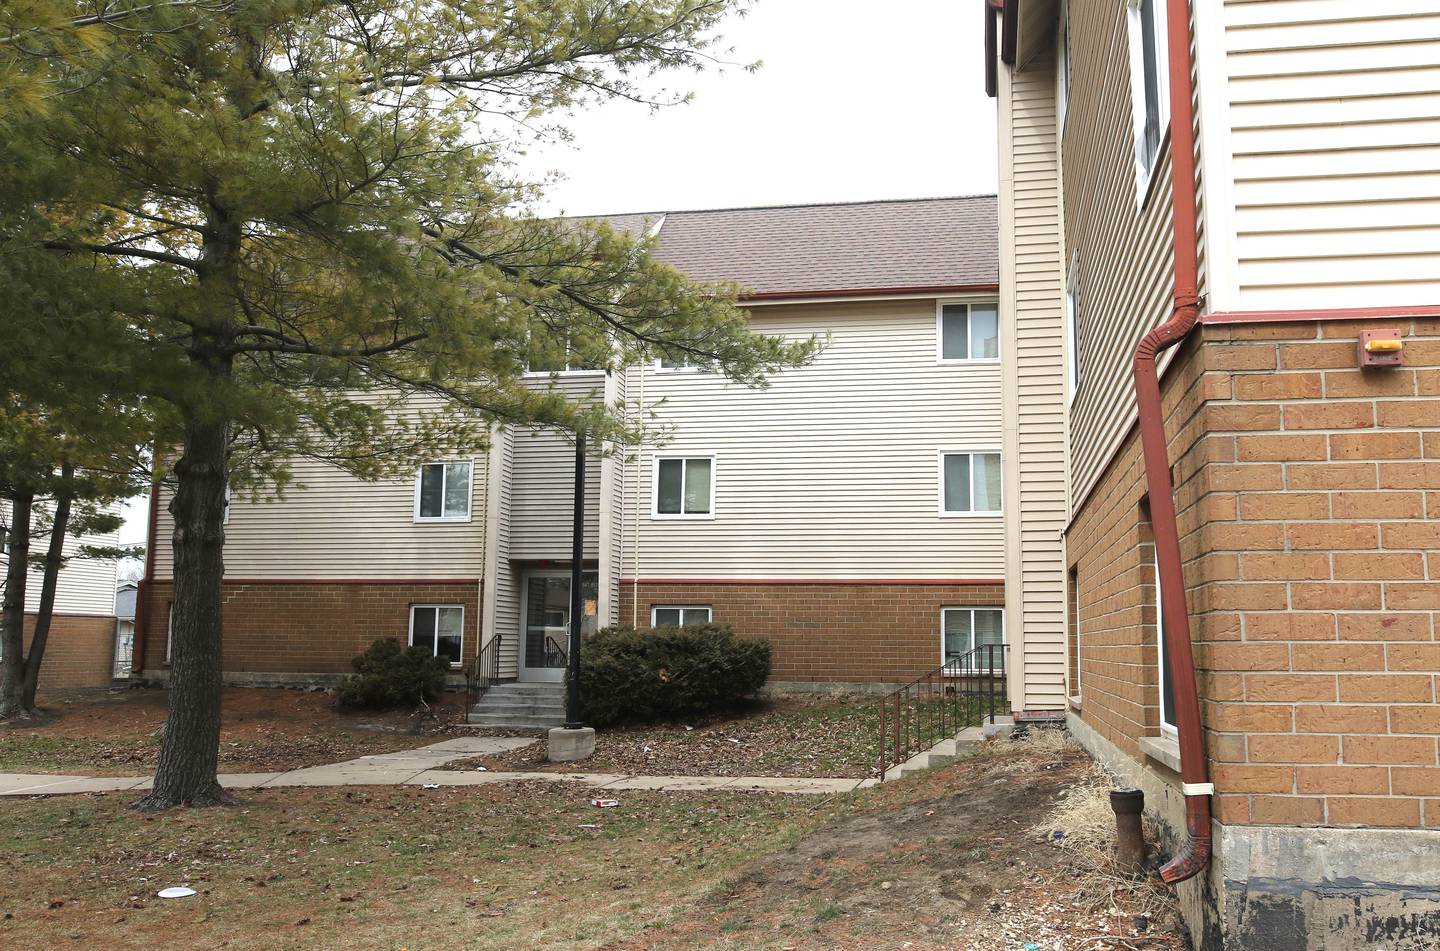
x=937, y=289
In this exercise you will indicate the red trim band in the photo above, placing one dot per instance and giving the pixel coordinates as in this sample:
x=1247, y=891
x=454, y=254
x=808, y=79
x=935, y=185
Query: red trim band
x=343, y=581
x=812, y=581
x=871, y=291
x=1304, y=316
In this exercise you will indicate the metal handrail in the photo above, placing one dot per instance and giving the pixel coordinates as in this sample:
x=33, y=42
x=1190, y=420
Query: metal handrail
x=964, y=691
x=554, y=652
x=483, y=671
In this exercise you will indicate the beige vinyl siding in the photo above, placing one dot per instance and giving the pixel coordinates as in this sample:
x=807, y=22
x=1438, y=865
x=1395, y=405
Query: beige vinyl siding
x=1125, y=279
x=506, y=600
x=542, y=483
x=84, y=585
x=833, y=471
x=1335, y=126
x=331, y=524
x=1034, y=385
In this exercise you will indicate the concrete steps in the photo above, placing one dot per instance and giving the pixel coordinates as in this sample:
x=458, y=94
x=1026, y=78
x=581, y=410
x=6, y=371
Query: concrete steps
x=521, y=706
x=949, y=750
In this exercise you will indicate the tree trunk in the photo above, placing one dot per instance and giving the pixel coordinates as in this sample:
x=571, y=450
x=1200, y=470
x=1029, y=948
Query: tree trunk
x=12, y=622
x=190, y=749
x=54, y=559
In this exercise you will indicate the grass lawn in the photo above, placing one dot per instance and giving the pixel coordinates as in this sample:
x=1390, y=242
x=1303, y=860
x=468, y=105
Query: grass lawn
x=117, y=733
x=955, y=858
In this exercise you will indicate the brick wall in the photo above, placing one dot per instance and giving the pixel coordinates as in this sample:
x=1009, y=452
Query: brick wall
x=309, y=628
x=79, y=652
x=848, y=633
x=1308, y=493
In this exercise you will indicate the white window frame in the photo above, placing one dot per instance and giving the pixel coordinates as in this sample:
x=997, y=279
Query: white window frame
x=940, y=357
x=687, y=367
x=1145, y=176
x=972, y=608
x=1073, y=597
x=469, y=496
x=1062, y=66
x=1160, y=656
x=435, y=648
x=682, y=608
x=655, y=512
x=972, y=453
x=1074, y=371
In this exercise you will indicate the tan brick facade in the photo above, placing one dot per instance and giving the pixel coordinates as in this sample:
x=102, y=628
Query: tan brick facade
x=309, y=627
x=1308, y=494
x=833, y=632
x=79, y=652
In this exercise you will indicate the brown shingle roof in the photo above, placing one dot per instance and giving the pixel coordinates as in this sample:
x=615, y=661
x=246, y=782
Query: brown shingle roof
x=799, y=250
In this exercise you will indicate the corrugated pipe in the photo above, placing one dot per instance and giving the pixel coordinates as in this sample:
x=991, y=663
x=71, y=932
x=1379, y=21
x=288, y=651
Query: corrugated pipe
x=1194, y=771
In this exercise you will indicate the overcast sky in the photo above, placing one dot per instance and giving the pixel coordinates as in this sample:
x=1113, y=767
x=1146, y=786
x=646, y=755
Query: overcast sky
x=855, y=100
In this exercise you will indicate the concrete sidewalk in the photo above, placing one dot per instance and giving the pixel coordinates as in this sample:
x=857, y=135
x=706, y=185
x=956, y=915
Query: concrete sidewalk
x=420, y=767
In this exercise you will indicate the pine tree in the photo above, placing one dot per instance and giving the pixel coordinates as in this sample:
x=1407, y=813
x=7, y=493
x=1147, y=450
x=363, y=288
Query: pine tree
x=309, y=209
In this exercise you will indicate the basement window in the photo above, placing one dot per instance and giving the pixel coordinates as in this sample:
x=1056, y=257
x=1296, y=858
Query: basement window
x=678, y=616
x=962, y=630
x=968, y=333
x=1165, y=678
x=1149, y=87
x=442, y=492
x=439, y=629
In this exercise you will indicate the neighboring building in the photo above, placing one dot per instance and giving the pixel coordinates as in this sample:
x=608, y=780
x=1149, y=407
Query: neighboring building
x=125, y=627
x=1307, y=482
x=80, y=650
x=851, y=512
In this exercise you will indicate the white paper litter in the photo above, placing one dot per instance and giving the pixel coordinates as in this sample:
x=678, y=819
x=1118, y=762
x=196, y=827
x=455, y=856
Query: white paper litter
x=431, y=786
x=176, y=891
x=605, y=803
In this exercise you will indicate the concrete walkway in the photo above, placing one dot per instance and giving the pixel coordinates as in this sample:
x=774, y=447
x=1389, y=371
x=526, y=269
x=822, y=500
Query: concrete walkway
x=420, y=767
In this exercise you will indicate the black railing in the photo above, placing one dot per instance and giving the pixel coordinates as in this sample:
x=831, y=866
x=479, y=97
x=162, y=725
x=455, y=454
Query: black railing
x=483, y=671
x=964, y=691
x=555, y=655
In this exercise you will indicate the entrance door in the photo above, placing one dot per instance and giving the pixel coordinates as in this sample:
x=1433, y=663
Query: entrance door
x=545, y=621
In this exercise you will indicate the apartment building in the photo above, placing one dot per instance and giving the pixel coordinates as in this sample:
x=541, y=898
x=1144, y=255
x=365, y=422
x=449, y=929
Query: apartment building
x=1239, y=199
x=852, y=512
x=80, y=649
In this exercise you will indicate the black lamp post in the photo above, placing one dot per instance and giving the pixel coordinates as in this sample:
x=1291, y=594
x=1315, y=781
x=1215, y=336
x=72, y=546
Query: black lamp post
x=577, y=600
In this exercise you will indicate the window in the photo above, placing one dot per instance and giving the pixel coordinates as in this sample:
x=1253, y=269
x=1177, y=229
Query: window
x=675, y=616
x=1149, y=83
x=1072, y=328
x=678, y=363
x=440, y=629
x=684, y=488
x=970, y=483
x=1062, y=66
x=962, y=630
x=969, y=332
x=442, y=492
x=1166, y=678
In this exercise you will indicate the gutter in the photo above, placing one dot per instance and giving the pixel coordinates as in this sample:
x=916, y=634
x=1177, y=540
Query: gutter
x=1194, y=769
x=937, y=290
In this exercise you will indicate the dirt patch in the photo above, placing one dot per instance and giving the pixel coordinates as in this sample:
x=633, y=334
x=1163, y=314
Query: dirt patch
x=117, y=732
x=958, y=858
x=800, y=737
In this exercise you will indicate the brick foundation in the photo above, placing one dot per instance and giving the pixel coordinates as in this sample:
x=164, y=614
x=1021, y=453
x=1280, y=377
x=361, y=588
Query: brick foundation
x=79, y=653
x=1308, y=494
x=309, y=627
x=827, y=632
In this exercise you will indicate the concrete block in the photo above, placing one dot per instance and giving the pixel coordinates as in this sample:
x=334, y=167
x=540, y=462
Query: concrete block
x=570, y=746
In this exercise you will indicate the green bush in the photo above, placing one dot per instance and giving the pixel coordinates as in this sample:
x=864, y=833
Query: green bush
x=388, y=675
x=630, y=676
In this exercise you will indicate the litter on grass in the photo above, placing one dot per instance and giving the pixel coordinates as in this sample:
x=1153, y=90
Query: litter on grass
x=176, y=891
x=431, y=786
x=605, y=803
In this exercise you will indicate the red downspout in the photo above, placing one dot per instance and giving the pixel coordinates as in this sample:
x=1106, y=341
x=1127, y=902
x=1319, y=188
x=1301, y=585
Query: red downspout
x=1194, y=771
